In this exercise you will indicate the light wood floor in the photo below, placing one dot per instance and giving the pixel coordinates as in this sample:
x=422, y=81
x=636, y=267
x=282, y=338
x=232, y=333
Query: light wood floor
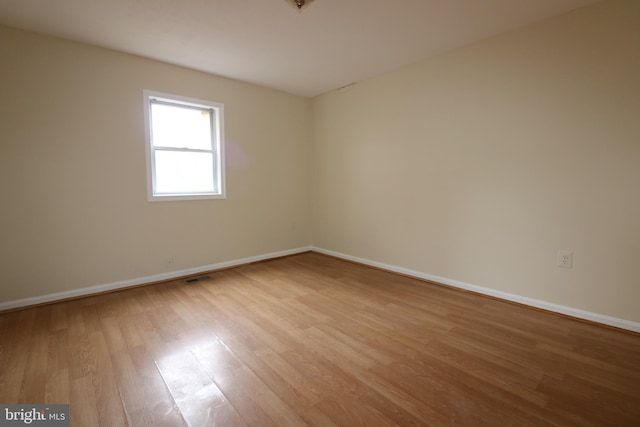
x=312, y=340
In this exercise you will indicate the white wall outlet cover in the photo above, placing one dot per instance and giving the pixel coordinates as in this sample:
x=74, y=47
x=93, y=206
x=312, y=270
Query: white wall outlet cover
x=565, y=259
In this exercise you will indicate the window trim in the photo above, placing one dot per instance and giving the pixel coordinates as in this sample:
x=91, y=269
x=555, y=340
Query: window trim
x=217, y=122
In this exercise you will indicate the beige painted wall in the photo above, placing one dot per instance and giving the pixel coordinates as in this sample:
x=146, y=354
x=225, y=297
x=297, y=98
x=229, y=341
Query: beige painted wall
x=74, y=211
x=481, y=164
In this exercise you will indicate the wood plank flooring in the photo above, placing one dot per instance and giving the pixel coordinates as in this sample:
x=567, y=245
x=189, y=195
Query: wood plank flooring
x=312, y=340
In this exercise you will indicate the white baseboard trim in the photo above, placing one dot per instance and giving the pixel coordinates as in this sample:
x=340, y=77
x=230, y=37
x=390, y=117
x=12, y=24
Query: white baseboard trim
x=98, y=289
x=569, y=311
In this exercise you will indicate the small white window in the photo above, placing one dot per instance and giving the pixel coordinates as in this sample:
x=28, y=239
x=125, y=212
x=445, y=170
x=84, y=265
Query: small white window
x=185, y=147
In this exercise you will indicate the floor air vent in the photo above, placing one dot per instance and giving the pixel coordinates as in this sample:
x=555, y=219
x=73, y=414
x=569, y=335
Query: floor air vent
x=196, y=279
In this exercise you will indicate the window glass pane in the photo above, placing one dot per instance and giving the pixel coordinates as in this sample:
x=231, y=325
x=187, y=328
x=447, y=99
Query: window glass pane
x=183, y=172
x=180, y=127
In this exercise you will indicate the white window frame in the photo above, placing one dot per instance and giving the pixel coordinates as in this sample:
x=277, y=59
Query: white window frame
x=217, y=135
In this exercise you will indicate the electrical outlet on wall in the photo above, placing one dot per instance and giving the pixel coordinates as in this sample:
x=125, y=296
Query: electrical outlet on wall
x=565, y=259
x=169, y=262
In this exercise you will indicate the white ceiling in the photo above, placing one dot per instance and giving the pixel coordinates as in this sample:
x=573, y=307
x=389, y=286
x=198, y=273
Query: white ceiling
x=327, y=45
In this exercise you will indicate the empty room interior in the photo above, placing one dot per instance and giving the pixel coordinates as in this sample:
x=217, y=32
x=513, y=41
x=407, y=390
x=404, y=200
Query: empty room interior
x=323, y=213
